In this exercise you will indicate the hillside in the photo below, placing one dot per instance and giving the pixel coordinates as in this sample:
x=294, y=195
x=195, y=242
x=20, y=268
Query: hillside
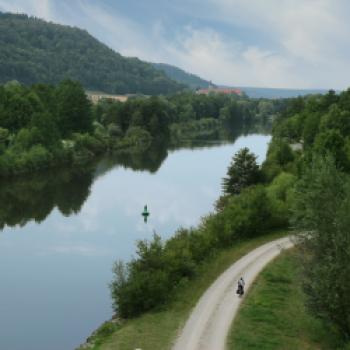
x=181, y=76
x=33, y=51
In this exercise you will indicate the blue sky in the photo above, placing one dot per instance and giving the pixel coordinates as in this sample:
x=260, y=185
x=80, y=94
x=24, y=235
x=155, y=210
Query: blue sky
x=266, y=43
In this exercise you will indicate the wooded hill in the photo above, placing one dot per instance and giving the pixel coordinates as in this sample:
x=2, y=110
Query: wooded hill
x=35, y=51
x=182, y=77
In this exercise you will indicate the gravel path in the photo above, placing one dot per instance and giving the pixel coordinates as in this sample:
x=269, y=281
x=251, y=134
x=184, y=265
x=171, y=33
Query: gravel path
x=208, y=325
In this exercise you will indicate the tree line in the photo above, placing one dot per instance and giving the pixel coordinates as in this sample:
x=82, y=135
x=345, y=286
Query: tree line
x=42, y=126
x=312, y=143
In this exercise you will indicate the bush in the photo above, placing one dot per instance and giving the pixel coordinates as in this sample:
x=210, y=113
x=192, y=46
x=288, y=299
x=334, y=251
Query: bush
x=248, y=215
x=38, y=157
x=138, y=137
x=280, y=194
x=148, y=282
x=86, y=142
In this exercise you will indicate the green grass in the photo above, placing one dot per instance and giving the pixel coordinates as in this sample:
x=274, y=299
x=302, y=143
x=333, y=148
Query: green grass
x=157, y=330
x=273, y=315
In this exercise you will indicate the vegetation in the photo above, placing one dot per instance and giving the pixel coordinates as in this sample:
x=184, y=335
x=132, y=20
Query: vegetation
x=35, y=51
x=145, y=332
x=149, y=281
x=322, y=208
x=182, y=77
x=243, y=172
x=291, y=177
x=43, y=126
x=318, y=126
x=273, y=314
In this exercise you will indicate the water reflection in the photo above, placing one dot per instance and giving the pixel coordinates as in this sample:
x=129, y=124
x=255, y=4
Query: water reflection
x=34, y=197
x=150, y=161
x=55, y=275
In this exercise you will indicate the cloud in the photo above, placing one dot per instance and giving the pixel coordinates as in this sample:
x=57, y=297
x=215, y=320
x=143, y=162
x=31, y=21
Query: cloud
x=117, y=30
x=309, y=34
x=209, y=54
x=42, y=8
x=276, y=43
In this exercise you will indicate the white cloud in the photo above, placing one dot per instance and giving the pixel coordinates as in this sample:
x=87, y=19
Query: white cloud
x=311, y=35
x=42, y=8
x=118, y=31
x=207, y=53
x=299, y=43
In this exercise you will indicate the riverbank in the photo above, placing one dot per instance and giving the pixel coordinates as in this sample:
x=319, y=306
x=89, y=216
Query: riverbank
x=145, y=332
x=43, y=126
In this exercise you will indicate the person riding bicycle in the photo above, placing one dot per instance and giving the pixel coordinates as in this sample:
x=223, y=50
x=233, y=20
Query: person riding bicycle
x=241, y=284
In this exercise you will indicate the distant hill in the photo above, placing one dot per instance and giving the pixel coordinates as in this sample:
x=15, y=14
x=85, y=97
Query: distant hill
x=32, y=51
x=279, y=93
x=182, y=77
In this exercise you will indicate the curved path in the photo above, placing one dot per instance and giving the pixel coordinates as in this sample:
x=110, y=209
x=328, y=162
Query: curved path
x=208, y=325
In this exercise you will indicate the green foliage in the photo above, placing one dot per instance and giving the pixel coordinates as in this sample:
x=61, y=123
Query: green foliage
x=33, y=120
x=145, y=284
x=73, y=108
x=322, y=205
x=35, y=51
x=17, y=105
x=138, y=137
x=145, y=331
x=114, y=130
x=149, y=281
x=4, y=134
x=62, y=120
x=319, y=127
x=242, y=172
x=332, y=142
x=280, y=194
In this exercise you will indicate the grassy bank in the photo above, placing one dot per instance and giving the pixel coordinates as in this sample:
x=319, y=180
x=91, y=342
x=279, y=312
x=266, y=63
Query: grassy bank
x=157, y=330
x=273, y=315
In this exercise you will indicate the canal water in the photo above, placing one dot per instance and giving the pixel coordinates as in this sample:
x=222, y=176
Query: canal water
x=61, y=232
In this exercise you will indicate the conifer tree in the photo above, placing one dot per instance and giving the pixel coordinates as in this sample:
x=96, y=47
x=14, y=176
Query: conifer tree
x=242, y=172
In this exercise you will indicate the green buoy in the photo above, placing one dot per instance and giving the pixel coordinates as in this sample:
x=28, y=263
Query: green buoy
x=145, y=214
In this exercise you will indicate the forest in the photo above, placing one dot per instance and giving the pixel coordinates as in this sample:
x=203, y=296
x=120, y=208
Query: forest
x=182, y=77
x=44, y=126
x=35, y=51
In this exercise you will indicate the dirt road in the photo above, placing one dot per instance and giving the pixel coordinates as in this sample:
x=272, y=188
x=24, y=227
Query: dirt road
x=208, y=325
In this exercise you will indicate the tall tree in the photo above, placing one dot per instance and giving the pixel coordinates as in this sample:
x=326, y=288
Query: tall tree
x=242, y=172
x=322, y=205
x=73, y=108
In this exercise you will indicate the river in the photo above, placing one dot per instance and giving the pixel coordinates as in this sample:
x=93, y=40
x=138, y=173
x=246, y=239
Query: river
x=60, y=233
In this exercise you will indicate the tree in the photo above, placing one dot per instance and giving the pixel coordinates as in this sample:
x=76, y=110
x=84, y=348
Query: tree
x=4, y=134
x=242, y=172
x=280, y=152
x=73, y=108
x=332, y=142
x=321, y=209
x=48, y=134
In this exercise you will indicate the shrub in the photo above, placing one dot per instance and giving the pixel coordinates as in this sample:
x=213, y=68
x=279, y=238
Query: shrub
x=148, y=281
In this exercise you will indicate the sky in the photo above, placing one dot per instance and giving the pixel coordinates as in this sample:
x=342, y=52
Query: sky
x=260, y=43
